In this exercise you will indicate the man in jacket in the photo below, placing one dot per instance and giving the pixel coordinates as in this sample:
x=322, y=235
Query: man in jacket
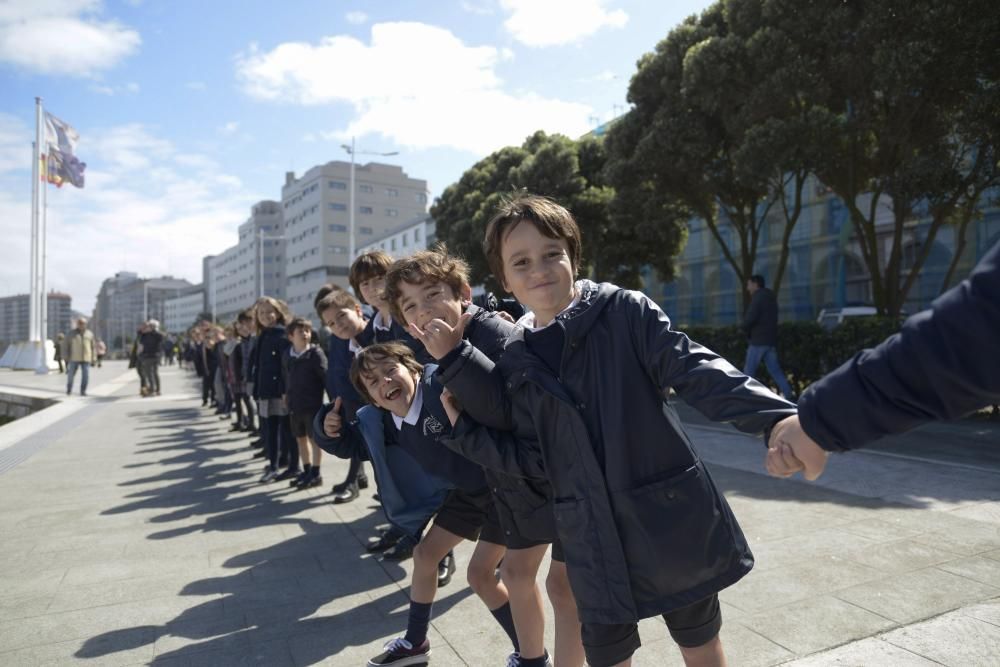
x=761, y=326
x=80, y=351
x=941, y=365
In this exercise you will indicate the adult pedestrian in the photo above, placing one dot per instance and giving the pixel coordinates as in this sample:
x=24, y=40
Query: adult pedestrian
x=80, y=352
x=58, y=357
x=941, y=365
x=760, y=323
x=150, y=349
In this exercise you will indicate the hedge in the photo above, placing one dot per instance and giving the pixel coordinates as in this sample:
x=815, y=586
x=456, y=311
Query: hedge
x=805, y=349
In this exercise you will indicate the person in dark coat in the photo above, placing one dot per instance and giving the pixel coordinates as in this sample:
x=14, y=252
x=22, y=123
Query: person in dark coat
x=760, y=323
x=943, y=363
x=304, y=367
x=269, y=388
x=644, y=530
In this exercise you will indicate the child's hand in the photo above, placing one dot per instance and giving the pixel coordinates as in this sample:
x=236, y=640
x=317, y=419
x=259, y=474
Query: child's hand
x=438, y=337
x=790, y=450
x=451, y=406
x=333, y=421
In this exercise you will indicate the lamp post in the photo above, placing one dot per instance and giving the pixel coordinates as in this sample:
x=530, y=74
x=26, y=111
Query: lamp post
x=352, y=151
x=145, y=301
x=260, y=258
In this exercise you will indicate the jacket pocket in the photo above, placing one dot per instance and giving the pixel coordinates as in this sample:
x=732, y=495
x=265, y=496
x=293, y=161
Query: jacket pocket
x=678, y=533
x=582, y=545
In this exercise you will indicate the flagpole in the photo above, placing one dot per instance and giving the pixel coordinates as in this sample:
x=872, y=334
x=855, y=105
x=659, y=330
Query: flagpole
x=35, y=214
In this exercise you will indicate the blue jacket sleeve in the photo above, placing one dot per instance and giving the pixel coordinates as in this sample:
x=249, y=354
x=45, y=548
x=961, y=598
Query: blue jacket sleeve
x=349, y=444
x=703, y=379
x=943, y=363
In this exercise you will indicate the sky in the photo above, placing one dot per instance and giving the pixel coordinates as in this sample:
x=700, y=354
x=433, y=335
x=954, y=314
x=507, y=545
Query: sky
x=190, y=112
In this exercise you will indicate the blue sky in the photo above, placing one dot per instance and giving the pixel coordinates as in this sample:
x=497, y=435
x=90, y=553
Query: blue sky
x=189, y=112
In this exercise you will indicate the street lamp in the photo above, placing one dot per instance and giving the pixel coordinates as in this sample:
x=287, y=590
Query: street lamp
x=352, y=152
x=260, y=262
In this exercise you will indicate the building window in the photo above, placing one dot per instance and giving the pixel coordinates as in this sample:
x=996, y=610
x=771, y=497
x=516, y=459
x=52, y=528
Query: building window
x=391, y=212
x=393, y=243
x=364, y=187
x=365, y=230
x=338, y=185
x=337, y=206
x=416, y=235
x=406, y=239
x=336, y=249
x=421, y=197
x=391, y=192
x=366, y=210
x=337, y=228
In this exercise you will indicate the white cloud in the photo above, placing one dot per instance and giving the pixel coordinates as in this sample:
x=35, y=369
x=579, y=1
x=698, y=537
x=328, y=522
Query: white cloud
x=357, y=18
x=416, y=84
x=557, y=22
x=62, y=37
x=15, y=143
x=230, y=128
x=130, y=88
x=483, y=8
x=147, y=207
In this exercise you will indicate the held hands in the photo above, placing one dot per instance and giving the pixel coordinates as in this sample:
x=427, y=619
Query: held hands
x=451, y=406
x=440, y=338
x=333, y=422
x=790, y=450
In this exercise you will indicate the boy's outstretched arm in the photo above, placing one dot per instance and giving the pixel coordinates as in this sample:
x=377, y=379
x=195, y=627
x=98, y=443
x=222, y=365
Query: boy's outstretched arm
x=701, y=377
x=791, y=450
x=478, y=385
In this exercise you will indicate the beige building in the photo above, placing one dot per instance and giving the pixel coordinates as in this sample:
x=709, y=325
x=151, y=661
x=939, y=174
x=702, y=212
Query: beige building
x=317, y=218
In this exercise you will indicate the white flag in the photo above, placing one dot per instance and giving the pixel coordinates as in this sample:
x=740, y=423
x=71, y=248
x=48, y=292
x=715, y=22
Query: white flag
x=59, y=153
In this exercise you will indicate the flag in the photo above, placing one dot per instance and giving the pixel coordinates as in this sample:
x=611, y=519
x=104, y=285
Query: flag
x=59, y=161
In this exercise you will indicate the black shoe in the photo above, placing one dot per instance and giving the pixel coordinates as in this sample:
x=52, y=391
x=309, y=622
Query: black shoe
x=400, y=653
x=235, y=427
x=348, y=494
x=312, y=482
x=261, y=454
x=259, y=442
x=386, y=540
x=446, y=568
x=400, y=551
x=376, y=497
x=287, y=473
x=300, y=479
x=362, y=481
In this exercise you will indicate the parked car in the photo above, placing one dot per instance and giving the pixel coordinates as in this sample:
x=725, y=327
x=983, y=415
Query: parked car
x=829, y=318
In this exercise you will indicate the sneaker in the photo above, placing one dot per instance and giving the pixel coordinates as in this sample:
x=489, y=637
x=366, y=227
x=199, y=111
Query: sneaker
x=346, y=495
x=400, y=653
x=446, y=568
x=400, y=551
x=387, y=539
x=268, y=476
x=287, y=473
x=362, y=481
x=514, y=660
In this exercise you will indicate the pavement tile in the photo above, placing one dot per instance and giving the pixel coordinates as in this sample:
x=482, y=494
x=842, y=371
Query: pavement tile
x=914, y=596
x=23, y=606
x=274, y=653
x=815, y=624
x=746, y=648
x=879, y=530
x=775, y=588
x=953, y=639
x=977, y=568
x=806, y=547
x=133, y=649
x=872, y=651
x=988, y=611
x=967, y=540
x=897, y=557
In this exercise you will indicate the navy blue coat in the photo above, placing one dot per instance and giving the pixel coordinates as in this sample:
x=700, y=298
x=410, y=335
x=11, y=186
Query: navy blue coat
x=944, y=363
x=645, y=530
x=271, y=345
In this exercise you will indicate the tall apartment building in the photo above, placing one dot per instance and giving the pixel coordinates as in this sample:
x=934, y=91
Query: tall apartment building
x=233, y=278
x=316, y=220
x=417, y=234
x=14, y=317
x=180, y=312
x=126, y=300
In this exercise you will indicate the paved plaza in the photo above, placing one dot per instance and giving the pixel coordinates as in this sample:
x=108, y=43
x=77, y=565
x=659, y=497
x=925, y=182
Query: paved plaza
x=133, y=531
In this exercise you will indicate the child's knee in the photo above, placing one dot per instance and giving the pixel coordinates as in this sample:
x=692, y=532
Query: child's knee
x=422, y=558
x=558, y=590
x=517, y=574
x=480, y=577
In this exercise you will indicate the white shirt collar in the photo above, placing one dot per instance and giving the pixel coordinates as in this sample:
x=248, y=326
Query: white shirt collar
x=296, y=355
x=528, y=319
x=354, y=346
x=379, y=324
x=413, y=416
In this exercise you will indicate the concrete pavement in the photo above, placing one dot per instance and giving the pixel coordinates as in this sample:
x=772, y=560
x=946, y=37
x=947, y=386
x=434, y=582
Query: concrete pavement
x=134, y=532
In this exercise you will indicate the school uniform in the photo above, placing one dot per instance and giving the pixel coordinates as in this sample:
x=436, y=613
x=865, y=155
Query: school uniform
x=305, y=377
x=644, y=529
x=268, y=389
x=379, y=331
